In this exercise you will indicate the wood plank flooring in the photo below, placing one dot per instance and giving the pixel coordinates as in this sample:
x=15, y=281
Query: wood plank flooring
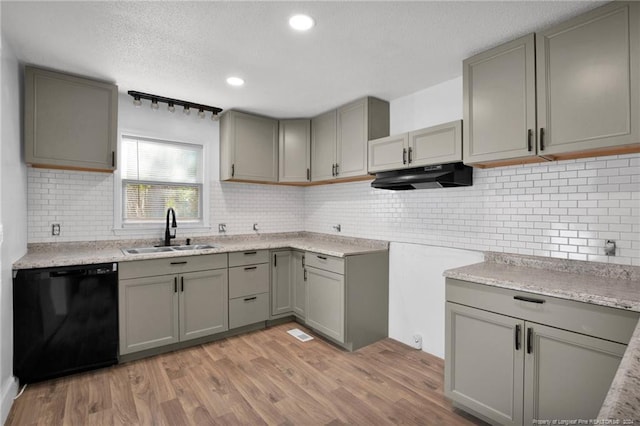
x=263, y=377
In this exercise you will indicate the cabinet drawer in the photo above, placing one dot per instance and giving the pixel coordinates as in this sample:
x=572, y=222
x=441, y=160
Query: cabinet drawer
x=250, y=257
x=171, y=265
x=327, y=263
x=593, y=320
x=248, y=310
x=247, y=280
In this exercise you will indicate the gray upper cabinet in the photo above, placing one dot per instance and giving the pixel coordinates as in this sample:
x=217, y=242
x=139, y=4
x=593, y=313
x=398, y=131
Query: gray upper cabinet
x=339, y=138
x=295, y=151
x=70, y=122
x=323, y=146
x=588, y=75
x=433, y=145
x=248, y=147
x=580, y=79
x=499, y=101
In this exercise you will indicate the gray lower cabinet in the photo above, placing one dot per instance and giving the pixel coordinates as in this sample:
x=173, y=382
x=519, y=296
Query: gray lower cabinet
x=282, y=283
x=299, y=285
x=248, y=147
x=512, y=357
x=325, y=302
x=294, y=151
x=248, y=287
x=347, y=299
x=288, y=286
x=70, y=122
x=157, y=308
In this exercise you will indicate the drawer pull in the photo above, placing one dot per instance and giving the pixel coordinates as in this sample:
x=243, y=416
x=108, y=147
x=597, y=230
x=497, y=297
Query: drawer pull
x=179, y=263
x=529, y=340
x=248, y=268
x=249, y=253
x=249, y=299
x=529, y=299
x=321, y=257
x=517, y=337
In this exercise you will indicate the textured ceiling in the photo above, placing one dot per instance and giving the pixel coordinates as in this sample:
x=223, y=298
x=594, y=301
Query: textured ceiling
x=186, y=49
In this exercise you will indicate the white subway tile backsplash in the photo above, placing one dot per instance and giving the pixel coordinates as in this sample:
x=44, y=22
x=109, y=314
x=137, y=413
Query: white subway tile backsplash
x=561, y=209
x=580, y=203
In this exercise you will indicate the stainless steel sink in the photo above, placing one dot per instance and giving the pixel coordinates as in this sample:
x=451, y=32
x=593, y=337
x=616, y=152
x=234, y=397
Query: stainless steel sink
x=148, y=250
x=195, y=247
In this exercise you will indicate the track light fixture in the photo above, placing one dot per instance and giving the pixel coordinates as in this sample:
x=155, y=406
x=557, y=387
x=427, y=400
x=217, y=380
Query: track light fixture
x=171, y=104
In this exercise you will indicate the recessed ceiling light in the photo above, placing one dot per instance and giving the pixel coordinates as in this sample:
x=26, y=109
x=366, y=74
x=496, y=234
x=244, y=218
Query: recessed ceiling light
x=235, y=81
x=301, y=22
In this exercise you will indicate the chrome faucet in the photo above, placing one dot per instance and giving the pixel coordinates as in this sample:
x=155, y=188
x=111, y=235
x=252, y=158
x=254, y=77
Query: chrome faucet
x=167, y=233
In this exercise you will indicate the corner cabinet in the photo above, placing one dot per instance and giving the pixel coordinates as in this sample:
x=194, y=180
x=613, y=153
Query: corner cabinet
x=170, y=300
x=248, y=147
x=70, y=122
x=288, y=284
x=512, y=357
x=433, y=145
x=339, y=138
x=584, y=75
x=347, y=299
x=294, y=151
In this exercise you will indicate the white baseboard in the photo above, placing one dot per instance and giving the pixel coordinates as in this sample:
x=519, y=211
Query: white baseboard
x=9, y=391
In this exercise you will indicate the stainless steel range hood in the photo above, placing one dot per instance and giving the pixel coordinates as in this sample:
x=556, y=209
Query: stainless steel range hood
x=426, y=177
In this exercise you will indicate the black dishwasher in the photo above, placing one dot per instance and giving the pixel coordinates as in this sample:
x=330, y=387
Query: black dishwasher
x=65, y=320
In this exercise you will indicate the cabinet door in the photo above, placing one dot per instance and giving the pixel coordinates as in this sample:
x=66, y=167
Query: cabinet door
x=148, y=313
x=325, y=302
x=436, y=145
x=483, y=362
x=323, y=146
x=281, y=282
x=352, y=139
x=299, y=284
x=203, y=303
x=252, y=144
x=70, y=122
x=588, y=81
x=390, y=153
x=499, y=103
x=295, y=151
x=567, y=375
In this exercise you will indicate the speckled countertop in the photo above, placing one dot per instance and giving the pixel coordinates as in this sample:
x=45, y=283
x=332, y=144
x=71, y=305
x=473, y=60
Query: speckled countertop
x=83, y=253
x=616, y=286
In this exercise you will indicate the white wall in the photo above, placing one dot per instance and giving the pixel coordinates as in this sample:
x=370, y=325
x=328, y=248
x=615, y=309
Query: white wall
x=416, y=291
x=13, y=210
x=434, y=105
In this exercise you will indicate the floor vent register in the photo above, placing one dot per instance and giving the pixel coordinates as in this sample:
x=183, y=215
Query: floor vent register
x=300, y=335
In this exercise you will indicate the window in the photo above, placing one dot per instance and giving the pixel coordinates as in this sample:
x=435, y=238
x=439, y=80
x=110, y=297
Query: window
x=156, y=175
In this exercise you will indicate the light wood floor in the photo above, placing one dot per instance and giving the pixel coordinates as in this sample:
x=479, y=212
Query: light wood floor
x=264, y=377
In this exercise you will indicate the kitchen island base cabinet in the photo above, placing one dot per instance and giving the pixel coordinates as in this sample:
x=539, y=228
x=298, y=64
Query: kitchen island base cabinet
x=347, y=299
x=158, y=309
x=506, y=363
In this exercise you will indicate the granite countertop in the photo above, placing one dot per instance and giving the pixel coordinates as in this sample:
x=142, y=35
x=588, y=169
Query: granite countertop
x=82, y=253
x=616, y=286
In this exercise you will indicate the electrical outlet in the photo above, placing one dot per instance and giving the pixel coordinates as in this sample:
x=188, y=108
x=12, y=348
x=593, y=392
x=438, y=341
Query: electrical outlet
x=416, y=341
x=55, y=229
